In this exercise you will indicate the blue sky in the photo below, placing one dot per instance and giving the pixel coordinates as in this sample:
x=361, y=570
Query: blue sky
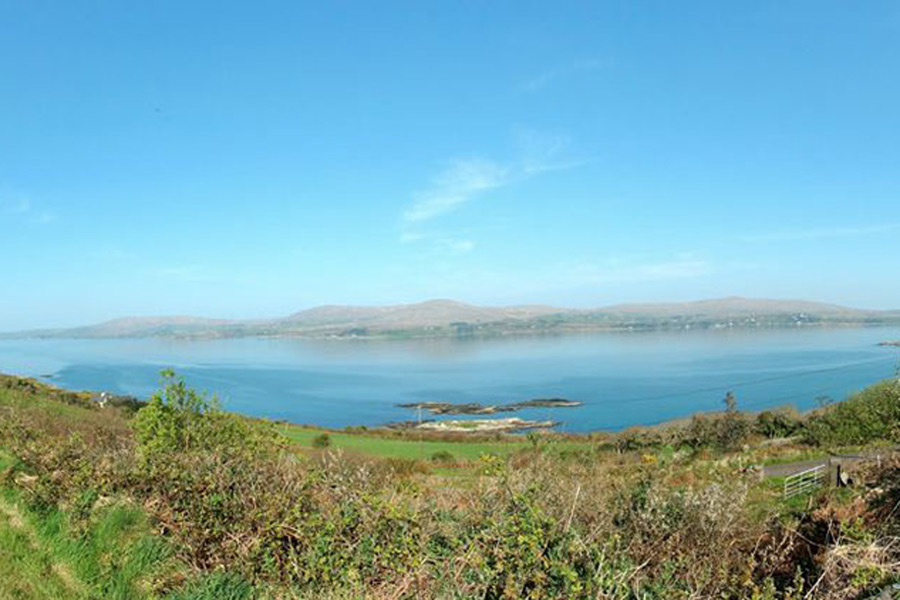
x=243, y=159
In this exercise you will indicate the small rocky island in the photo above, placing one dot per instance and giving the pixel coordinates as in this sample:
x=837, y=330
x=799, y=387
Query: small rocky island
x=474, y=408
x=505, y=425
x=500, y=425
x=894, y=343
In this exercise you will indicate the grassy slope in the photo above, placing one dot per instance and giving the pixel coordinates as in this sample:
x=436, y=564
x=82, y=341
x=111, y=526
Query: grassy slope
x=116, y=558
x=28, y=568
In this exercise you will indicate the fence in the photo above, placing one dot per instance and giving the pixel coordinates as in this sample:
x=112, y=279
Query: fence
x=804, y=481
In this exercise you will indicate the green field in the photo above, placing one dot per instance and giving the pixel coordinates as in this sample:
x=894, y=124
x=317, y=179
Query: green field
x=385, y=447
x=412, y=449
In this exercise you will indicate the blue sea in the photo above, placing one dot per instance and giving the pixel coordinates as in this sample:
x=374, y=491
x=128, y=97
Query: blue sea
x=623, y=379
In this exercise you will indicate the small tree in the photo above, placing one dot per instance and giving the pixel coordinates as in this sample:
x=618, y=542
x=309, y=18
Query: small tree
x=181, y=419
x=172, y=419
x=733, y=428
x=730, y=403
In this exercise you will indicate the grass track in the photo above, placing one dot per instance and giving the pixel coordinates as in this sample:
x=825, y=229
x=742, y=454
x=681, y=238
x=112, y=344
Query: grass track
x=26, y=569
x=41, y=557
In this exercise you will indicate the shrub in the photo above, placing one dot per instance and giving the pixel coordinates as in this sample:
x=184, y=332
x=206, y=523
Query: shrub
x=444, y=457
x=872, y=414
x=726, y=431
x=776, y=424
x=322, y=440
x=399, y=468
x=180, y=419
x=733, y=427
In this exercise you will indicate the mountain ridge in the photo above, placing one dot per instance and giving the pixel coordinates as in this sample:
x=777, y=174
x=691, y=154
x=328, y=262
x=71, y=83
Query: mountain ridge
x=445, y=316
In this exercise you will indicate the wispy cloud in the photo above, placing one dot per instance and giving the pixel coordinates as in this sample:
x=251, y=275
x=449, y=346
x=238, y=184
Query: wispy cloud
x=546, y=77
x=464, y=180
x=457, y=184
x=820, y=233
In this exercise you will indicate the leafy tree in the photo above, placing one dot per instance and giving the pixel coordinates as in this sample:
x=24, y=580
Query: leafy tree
x=733, y=428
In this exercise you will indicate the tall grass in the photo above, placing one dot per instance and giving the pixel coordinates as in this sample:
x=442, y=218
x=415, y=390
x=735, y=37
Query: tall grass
x=113, y=555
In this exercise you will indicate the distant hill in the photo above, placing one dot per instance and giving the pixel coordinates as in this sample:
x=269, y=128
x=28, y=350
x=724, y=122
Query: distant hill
x=444, y=318
x=146, y=326
x=736, y=306
x=432, y=313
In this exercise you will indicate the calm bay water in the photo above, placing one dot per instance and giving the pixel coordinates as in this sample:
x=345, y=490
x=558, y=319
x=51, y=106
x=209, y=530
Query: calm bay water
x=623, y=379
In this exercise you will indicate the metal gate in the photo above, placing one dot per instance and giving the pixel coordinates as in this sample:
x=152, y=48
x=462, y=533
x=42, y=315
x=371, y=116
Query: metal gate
x=804, y=481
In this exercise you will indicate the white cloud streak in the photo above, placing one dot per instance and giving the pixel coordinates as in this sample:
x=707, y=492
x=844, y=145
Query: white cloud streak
x=456, y=185
x=464, y=179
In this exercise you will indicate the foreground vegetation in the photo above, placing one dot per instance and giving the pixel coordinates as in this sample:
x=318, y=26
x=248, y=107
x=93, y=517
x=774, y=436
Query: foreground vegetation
x=181, y=500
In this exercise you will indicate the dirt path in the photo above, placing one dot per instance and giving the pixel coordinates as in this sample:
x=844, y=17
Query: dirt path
x=786, y=469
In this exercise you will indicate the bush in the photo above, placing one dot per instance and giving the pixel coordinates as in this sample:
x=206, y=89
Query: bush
x=321, y=441
x=180, y=419
x=872, y=414
x=776, y=424
x=726, y=431
x=443, y=457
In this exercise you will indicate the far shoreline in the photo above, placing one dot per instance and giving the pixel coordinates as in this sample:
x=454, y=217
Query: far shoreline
x=477, y=335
